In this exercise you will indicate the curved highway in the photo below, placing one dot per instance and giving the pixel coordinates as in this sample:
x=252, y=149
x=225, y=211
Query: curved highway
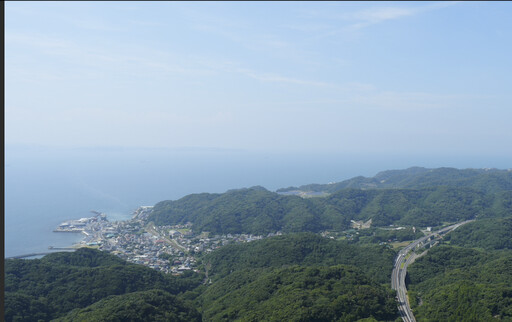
x=404, y=258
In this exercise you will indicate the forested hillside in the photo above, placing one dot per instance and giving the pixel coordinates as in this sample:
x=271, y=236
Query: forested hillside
x=291, y=277
x=486, y=180
x=254, y=210
x=50, y=287
x=470, y=280
x=298, y=277
x=490, y=234
x=300, y=249
x=298, y=293
x=152, y=305
x=258, y=211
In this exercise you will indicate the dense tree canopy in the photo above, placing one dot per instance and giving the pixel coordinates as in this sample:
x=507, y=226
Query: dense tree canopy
x=298, y=293
x=488, y=234
x=259, y=211
x=296, y=276
x=52, y=286
x=453, y=283
x=486, y=180
x=152, y=305
x=301, y=249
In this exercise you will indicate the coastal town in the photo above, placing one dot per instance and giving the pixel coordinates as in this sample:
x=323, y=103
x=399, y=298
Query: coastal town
x=170, y=249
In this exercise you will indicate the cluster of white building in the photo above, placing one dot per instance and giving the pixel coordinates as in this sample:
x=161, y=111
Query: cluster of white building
x=170, y=249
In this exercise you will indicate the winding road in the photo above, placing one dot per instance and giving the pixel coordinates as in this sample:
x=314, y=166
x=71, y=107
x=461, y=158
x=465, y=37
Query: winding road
x=406, y=257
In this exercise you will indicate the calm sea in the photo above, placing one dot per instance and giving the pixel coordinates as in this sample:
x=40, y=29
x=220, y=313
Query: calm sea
x=44, y=187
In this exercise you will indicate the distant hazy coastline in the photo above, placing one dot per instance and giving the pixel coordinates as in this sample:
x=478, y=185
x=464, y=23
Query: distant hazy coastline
x=46, y=186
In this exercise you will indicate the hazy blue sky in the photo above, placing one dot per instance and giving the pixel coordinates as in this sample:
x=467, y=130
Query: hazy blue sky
x=369, y=77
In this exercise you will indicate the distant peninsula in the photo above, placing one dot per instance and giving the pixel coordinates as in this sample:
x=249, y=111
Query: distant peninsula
x=415, y=197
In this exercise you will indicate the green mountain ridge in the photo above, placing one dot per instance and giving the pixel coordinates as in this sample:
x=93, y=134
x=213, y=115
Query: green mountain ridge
x=326, y=278
x=486, y=180
x=152, y=305
x=490, y=234
x=468, y=277
x=461, y=284
x=50, y=287
x=298, y=293
x=258, y=211
x=300, y=249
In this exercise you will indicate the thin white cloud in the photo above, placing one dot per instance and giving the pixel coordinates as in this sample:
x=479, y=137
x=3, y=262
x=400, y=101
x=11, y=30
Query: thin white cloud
x=267, y=77
x=102, y=59
x=274, y=78
x=144, y=23
x=354, y=94
x=378, y=15
x=35, y=41
x=307, y=27
x=72, y=126
x=350, y=22
x=370, y=99
x=410, y=101
x=351, y=87
x=95, y=25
